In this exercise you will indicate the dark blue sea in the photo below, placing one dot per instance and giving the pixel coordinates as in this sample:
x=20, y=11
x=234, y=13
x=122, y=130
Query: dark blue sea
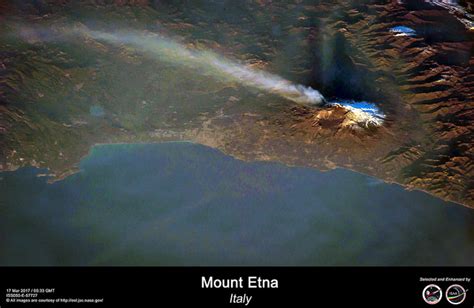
x=187, y=204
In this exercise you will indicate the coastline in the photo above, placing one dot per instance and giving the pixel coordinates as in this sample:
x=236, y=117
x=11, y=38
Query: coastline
x=52, y=178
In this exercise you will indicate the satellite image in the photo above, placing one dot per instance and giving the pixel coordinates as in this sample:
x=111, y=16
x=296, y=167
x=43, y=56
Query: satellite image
x=222, y=132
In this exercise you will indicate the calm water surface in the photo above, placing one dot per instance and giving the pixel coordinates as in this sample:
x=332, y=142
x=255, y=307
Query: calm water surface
x=186, y=204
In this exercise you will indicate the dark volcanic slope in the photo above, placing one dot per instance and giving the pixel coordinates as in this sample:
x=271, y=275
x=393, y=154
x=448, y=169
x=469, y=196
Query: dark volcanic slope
x=61, y=94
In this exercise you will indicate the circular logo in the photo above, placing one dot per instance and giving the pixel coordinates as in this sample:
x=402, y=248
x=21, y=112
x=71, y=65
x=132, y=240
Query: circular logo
x=455, y=294
x=432, y=294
